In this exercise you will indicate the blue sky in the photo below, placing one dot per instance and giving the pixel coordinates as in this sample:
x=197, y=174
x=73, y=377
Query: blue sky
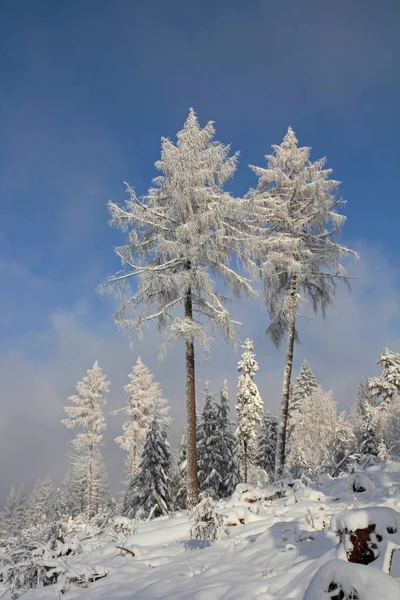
x=87, y=89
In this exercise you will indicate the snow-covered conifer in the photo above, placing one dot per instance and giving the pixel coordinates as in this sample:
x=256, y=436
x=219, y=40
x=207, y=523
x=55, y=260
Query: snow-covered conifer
x=208, y=461
x=86, y=413
x=148, y=494
x=181, y=236
x=15, y=515
x=180, y=486
x=295, y=207
x=305, y=384
x=42, y=502
x=385, y=387
x=145, y=402
x=208, y=523
x=266, y=444
x=225, y=456
x=249, y=409
x=369, y=437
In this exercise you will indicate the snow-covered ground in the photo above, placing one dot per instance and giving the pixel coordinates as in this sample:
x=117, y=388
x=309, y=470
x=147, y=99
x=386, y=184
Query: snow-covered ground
x=272, y=549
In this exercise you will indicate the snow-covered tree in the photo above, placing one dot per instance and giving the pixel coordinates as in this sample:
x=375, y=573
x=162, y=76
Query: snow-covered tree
x=210, y=478
x=148, y=494
x=208, y=522
x=42, y=502
x=390, y=426
x=266, y=444
x=225, y=456
x=145, y=402
x=180, y=487
x=181, y=236
x=320, y=435
x=385, y=387
x=249, y=409
x=86, y=413
x=305, y=384
x=295, y=209
x=15, y=516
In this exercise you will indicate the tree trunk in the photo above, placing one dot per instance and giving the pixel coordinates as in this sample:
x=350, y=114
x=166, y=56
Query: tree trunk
x=90, y=487
x=287, y=376
x=192, y=478
x=245, y=470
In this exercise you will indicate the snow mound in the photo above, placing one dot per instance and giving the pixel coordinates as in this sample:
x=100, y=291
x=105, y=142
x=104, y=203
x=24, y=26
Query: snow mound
x=338, y=577
x=386, y=520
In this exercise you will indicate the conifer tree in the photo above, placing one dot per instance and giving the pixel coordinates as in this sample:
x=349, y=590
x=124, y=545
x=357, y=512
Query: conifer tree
x=210, y=478
x=181, y=236
x=16, y=511
x=369, y=440
x=294, y=206
x=266, y=444
x=42, y=502
x=225, y=456
x=208, y=522
x=385, y=387
x=145, y=402
x=249, y=409
x=181, y=484
x=306, y=383
x=86, y=413
x=148, y=494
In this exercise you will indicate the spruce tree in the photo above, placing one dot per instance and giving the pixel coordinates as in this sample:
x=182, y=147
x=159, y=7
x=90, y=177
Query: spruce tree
x=208, y=447
x=306, y=383
x=266, y=444
x=385, y=387
x=249, y=409
x=145, y=402
x=181, y=475
x=148, y=494
x=225, y=455
x=295, y=253
x=181, y=237
x=42, y=502
x=86, y=413
x=369, y=439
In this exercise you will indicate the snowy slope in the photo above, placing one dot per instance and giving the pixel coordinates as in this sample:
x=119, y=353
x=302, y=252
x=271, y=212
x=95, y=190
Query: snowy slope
x=272, y=555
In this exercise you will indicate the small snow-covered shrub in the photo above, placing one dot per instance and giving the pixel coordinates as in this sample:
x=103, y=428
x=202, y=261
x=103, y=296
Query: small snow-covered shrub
x=208, y=523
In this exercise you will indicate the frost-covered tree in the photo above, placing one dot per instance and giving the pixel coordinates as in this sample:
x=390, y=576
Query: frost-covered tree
x=225, y=456
x=358, y=414
x=86, y=413
x=148, y=494
x=295, y=208
x=320, y=435
x=385, y=387
x=208, y=522
x=266, y=444
x=181, y=236
x=208, y=461
x=145, y=402
x=369, y=447
x=389, y=429
x=15, y=516
x=180, y=488
x=305, y=384
x=249, y=409
x=42, y=502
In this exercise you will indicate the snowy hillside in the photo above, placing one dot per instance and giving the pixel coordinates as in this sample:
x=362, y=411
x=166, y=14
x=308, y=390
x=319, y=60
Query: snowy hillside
x=271, y=550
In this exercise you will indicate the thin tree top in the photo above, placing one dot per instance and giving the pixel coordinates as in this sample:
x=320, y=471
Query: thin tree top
x=294, y=208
